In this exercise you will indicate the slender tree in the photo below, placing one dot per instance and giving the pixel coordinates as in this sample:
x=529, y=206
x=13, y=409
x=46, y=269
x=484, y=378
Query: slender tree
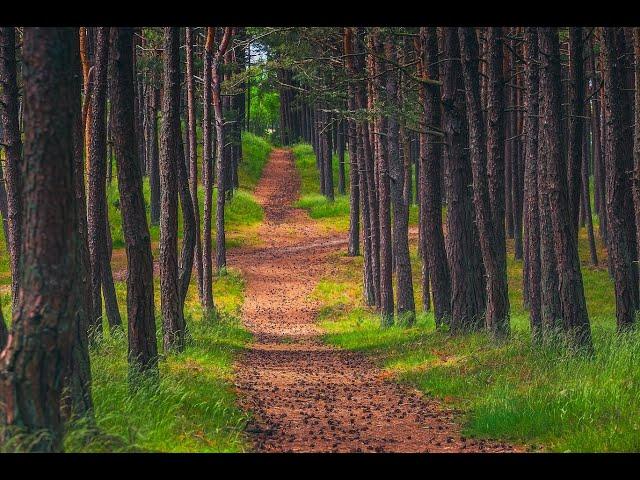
x=400, y=232
x=171, y=306
x=193, y=157
x=433, y=246
x=97, y=198
x=143, y=352
x=221, y=249
x=12, y=144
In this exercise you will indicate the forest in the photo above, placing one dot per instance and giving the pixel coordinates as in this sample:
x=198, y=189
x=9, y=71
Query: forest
x=320, y=239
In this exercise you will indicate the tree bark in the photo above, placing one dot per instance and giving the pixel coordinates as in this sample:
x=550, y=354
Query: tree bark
x=97, y=198
x=143, y=352
x=396, y=168
x=171, y=305
x=572, y=303
x=467, y=270
x=620, y=251
x=433, y=247
x=532, y=212
x=12, y=144
x=35, y=361
x=193, y=157
x=576, y=122
x=207, y=176
x=497, y=312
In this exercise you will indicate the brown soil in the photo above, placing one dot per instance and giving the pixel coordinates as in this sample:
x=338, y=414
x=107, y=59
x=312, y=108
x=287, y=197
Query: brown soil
x=306, y=396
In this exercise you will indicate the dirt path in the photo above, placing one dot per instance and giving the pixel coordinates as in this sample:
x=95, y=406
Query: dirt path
x=306, y=396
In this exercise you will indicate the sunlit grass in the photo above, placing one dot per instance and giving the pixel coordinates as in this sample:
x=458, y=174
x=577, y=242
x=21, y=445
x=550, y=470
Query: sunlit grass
x=332, y=215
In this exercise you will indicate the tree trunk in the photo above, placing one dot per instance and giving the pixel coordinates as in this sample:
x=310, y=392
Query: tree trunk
x=206, y=297
x=153, y=157
x=400, y=232
x=97, y=199
x=576, y=122
x=171, y=305
x=433, y=251
x=34, y=363
x=221, y=249
x=143, y=353
x=572, y=302
x=620, y=251
x=12, y=144
x=532, y=216
x=497, y=313
x=467, y=270
x=193, y=154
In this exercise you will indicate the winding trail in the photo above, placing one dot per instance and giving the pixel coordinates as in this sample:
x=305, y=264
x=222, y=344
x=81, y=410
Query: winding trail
x=306, y=396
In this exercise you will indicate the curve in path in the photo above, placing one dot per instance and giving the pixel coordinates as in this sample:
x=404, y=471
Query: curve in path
x=306, y=396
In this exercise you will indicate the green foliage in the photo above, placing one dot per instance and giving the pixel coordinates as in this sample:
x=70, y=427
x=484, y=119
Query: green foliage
x=192, y=408
x=536, y=395
x=332, y=214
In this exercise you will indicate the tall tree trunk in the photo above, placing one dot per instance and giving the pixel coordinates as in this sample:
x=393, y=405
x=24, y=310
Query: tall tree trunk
x=385, y=252
x=433, y=248
x=400, y=232
x=221, y=249
x=12, y=144
x=340, y=138
x=572, y=302
x=97, y=199
x=532, y=217
x=34, y=363
x=193, y=154
x=467, y=270
x=170, y=298
x=497, y=313
x=353, y=248
x=576, y=122
x=153, y=157
x=206, y=297
x=143, y=352
x=620, y=251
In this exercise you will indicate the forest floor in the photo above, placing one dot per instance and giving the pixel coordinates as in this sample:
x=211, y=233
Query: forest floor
x=304, y=395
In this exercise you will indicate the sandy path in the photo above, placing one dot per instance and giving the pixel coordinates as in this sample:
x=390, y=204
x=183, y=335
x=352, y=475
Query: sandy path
x=306, y=396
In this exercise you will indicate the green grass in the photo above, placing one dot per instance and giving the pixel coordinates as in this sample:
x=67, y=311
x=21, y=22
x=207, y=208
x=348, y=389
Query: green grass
x=535, y=396
x=333, y=215
x=193, y=408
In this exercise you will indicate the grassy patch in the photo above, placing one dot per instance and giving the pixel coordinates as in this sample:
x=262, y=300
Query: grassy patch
x=333, y=215
x=193, y=408
x=514, y=391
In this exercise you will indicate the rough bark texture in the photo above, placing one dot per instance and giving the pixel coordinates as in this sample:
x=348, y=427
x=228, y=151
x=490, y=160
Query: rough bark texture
x=143, y=351
x=153, y=157
x=576, y=122
x=97, y=199
x=430, y=174
x=78, y=402
x=636, y=137
x=497, y=312
x=193, y=153
x=572, y=303
x=171, y=306
x=467, y=271
x=36, y=359
x=221, y=167
x=12, y=144
x=620, y=250
x=400, y=232
x=532, y=215
x=207, y=176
